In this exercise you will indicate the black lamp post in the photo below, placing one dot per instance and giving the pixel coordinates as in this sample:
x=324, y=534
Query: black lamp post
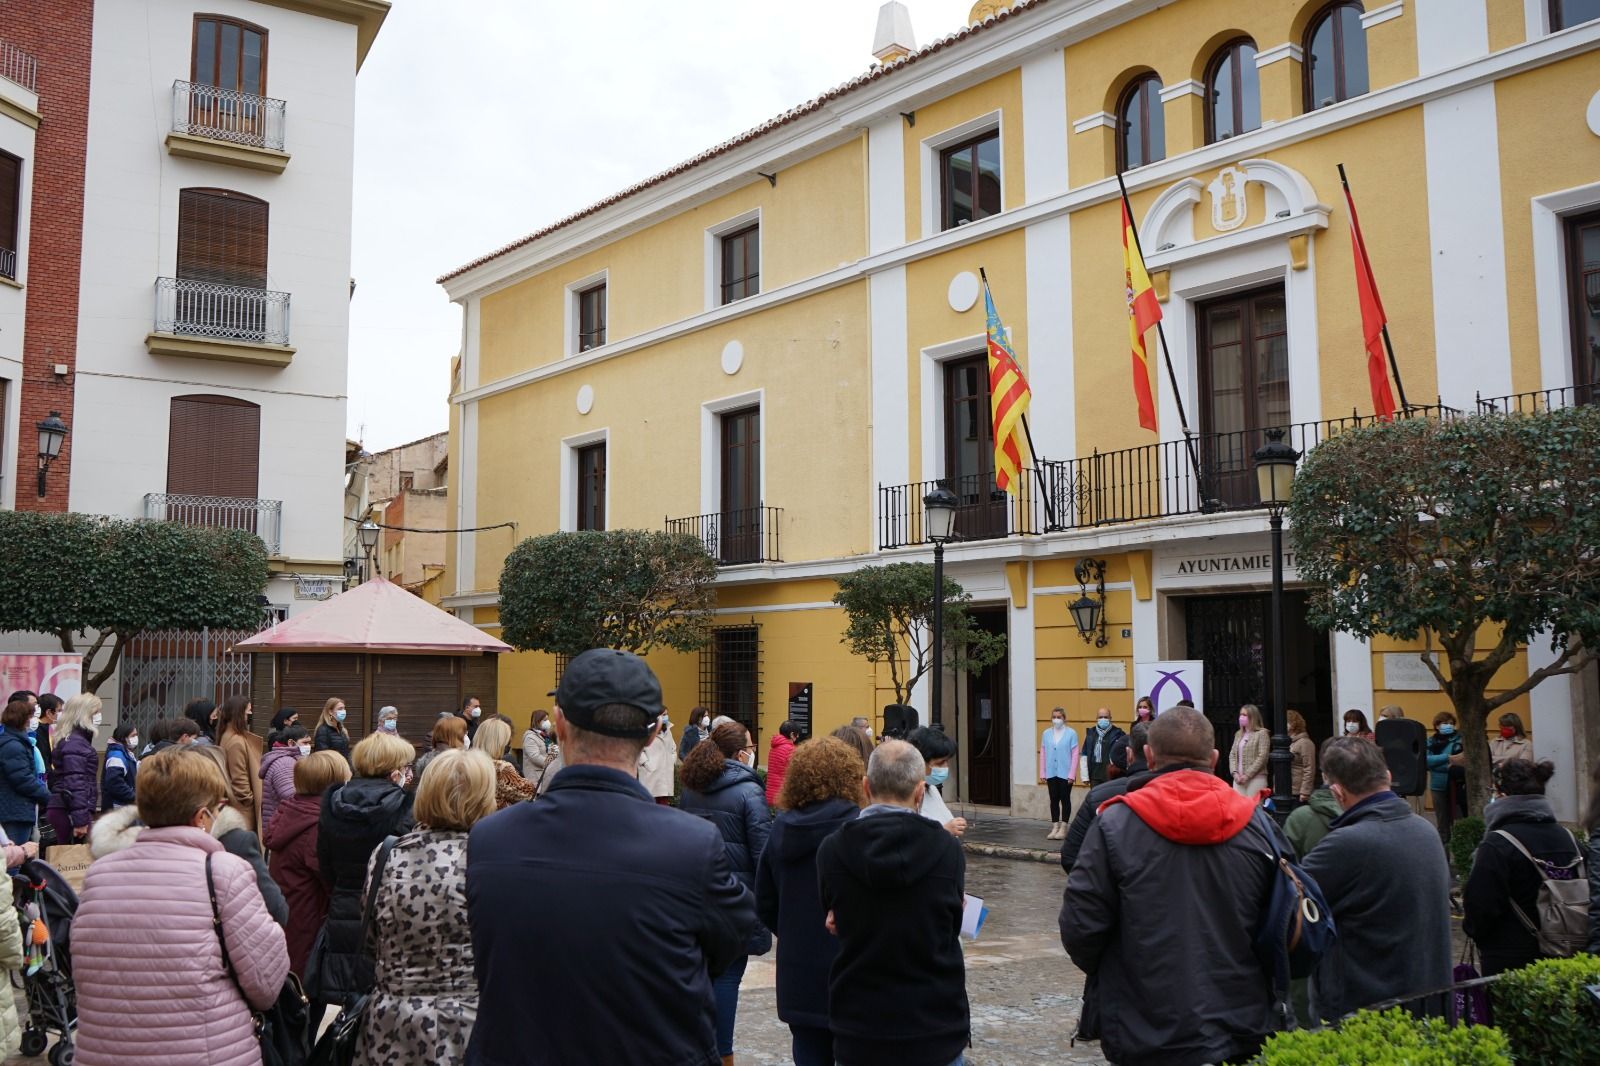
x=1275, y=464
x=368, y=531
x=939, y=522
x=52, y=432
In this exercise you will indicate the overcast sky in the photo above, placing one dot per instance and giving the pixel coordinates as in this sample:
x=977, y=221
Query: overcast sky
x=479, y=121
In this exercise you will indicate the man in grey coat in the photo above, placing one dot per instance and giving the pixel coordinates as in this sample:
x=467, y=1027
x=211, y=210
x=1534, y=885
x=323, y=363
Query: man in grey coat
x=1385, y=875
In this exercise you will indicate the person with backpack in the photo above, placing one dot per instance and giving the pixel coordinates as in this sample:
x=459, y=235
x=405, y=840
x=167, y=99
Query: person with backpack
x=1384, y=874
x=1528, y=895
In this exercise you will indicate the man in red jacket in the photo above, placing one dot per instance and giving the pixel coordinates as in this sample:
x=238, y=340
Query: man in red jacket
x=778, y=760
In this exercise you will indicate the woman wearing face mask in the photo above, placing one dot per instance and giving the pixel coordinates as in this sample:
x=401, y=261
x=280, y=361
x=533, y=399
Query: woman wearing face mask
x=21, y=791
x=1058, y=768
x=698, y=729
x=1143, y=711
x=1302, y=759
x=657, y=761
x=1099, y=744
x=937, y=749
x=331, y=733
x=1247, y=755
x=721, y=786
x=74, y=769
x=1447, y=778
x=449, y=734
x=289, y=745
x=121, y=767
x=1512, y=743
x=389, y=720
x=1355, y=725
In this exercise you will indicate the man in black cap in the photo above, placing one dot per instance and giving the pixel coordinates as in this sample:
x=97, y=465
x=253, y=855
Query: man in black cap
x=638, y=906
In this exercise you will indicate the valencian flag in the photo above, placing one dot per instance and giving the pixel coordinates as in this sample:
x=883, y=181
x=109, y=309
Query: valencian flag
x=1008, y=399
x=1143, y=312
x=1373, y=319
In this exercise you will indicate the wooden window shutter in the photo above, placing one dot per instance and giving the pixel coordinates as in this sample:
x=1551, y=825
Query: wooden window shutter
x=222, y=238
x=10, y=202
x=213, y=447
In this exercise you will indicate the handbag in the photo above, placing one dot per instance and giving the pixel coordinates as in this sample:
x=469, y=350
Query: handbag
x=283, y=1029
x=338, y=1043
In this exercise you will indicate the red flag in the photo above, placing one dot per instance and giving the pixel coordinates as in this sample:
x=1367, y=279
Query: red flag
x=1372, y=318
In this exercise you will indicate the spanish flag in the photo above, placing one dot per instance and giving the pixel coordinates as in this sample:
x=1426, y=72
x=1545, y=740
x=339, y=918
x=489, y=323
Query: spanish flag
x=1008, y=399
x=1144, y=311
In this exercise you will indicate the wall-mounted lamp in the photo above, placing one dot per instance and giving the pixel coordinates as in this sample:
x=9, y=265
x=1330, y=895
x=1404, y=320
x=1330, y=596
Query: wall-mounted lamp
x=1089, y=613
x=52, y=432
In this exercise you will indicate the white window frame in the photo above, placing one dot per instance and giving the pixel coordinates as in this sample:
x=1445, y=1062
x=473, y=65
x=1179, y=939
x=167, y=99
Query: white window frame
x=570, y=446
x=1551, y=284
x=714, y=235
x=932, y=362
x=711, y=413
x=992, y=122
x=569, y=346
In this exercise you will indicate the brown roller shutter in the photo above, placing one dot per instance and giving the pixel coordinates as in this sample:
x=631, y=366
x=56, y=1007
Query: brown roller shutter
x=214, y=447
x=420, y=687
x=10, y=202
x=480, y=677
x=307, y=680
x=222, y=237
x=263, y=691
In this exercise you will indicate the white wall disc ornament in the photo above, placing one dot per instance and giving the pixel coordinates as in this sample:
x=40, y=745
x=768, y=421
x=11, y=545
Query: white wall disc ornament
x=585, y=399
x=963, y=291
x=732, y=357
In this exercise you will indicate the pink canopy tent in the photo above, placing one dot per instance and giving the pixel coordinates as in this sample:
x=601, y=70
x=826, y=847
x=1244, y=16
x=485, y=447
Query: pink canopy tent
x=376, y=616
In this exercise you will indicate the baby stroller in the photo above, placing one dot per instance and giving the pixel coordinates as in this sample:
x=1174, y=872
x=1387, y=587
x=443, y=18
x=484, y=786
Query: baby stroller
x=45, y=905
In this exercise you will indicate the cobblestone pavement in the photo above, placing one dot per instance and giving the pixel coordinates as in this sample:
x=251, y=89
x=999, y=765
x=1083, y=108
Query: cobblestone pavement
x=1025, y=992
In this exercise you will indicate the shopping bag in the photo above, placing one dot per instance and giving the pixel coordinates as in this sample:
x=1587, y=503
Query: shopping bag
x=1469, y=1006
x=71, y=861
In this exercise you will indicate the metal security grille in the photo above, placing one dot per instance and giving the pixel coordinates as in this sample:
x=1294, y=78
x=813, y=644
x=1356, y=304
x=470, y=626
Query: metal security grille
x=163, y=670
x=561, y=665
x=730, y=675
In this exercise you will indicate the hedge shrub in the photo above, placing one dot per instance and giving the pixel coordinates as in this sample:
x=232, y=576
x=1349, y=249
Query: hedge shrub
x=1390, y=1038
x=1465, y=836
x=1548, y=1014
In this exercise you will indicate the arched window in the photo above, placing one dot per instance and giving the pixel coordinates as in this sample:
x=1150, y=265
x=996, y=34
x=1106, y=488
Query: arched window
x=1233, y=91
x=1141, y=133
x=1335, y=55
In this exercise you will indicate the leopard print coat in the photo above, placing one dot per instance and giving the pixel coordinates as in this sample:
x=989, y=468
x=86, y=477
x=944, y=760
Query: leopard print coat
x=426, y=998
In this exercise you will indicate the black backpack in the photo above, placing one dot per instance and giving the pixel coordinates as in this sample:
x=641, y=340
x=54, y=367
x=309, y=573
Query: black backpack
x=1296, y=927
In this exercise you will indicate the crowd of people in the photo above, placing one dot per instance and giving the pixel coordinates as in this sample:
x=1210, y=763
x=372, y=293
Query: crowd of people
x=398, y=886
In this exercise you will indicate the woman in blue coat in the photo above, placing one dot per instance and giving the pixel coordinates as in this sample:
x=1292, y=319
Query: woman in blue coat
x=21, y=791
x=1446, y=780
x=721, y=786
x=117, y=776
x=821, y=792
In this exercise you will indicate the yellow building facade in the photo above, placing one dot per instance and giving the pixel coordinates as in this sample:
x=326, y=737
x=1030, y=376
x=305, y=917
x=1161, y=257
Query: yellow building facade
x=778, y=346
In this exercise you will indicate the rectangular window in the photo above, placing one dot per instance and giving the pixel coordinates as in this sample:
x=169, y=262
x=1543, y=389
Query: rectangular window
x=10, y=213
x=592, y=486
x=740, y=521
x=969, y=180
x=730, y=675
x=741, y=264
x=1244, y=387
x=229, y=54
x=222, y=238
x=969, y=448
x=1583, y=273
x=592, y=317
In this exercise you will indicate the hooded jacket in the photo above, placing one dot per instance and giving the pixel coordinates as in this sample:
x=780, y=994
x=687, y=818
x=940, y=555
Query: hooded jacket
x=1502, y=876
x=147, y=963
x=118, y=776
x=1079, y=829
x=737, y=806
x=1182, y=843
x=355, y=818
x=21, y=791
x=277, y=780
x=894, y=882
x=1308, y=824
x=789, y=905
x=1386, y=879
x=292, y=840
x=777, y=766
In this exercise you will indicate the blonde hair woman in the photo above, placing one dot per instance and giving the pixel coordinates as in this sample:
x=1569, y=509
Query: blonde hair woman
x=74, y=777
x=1247, y=755
x=426, y=998
x=493, y=738
x=331, y=734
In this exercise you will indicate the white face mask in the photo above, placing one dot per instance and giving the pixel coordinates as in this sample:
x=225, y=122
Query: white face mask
x=391, y=724
x=544, y=726
x=1058, y=723
x=705, y=723
x=1352, y=727
x=869, y=732
x=476, y=711
x=305, y=749
x=97, y=719
x=33, y=723
x=133, y=741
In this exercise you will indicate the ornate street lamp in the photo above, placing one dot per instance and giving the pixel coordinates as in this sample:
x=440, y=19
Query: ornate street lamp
x=939, y=523
x=1275, y=465
x=52, y=432
x=1088, y=613
x=368, y=532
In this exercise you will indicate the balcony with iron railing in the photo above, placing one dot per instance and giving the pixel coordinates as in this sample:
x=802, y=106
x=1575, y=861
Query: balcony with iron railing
x=232, y=322
x=227, y=126
x=18, y=67
x=8, y=264
x=1206, y=474
x=264, y=518
x=737, y=537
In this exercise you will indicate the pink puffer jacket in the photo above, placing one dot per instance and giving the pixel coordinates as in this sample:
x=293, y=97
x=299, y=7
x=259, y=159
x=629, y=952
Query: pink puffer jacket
x=147, y=965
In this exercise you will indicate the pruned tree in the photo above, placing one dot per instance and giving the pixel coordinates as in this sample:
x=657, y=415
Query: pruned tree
x=1445, y=530
x=889, y=612
x=632, y=589
x=75, y=574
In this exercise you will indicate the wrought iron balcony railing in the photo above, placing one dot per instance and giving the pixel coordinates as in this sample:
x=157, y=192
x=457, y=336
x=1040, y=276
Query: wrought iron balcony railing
x=1541, y=400
x=747, y=535
x=264, y=518
x=18, y=66
x=227, y=115
x=223, y=312
x=8, y=264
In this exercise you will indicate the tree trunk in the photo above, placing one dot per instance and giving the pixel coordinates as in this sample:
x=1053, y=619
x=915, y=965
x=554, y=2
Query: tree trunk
x=1468, y=683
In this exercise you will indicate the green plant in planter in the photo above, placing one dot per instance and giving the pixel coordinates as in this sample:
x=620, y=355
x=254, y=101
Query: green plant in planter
x=1389, y=1038
x=1548, y=1014
x=1465, y=836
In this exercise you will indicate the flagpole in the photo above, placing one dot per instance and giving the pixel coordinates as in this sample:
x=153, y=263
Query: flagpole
x=1049, y=511
x=1388, y=345
x=1166, y=355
